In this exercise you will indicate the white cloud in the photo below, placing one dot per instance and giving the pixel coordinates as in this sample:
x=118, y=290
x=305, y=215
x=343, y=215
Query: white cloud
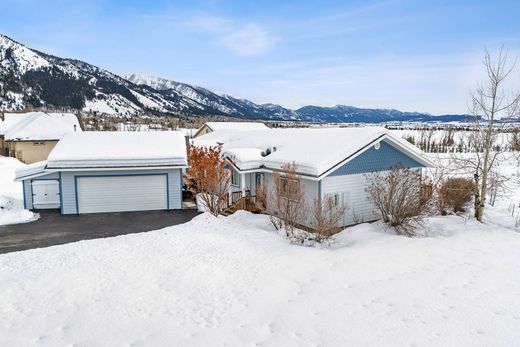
x=248, y=40
x=242, y=39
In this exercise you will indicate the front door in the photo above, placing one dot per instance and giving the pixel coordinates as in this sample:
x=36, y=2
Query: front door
x=46, y=194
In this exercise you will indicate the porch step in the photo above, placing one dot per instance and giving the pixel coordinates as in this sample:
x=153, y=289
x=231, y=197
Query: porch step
x=244, y=203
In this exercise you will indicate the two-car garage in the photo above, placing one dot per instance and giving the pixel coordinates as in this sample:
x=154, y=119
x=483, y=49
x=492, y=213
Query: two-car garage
x=103, y=172
x=121, y=193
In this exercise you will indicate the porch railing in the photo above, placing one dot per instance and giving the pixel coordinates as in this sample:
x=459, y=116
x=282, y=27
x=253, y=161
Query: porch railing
x=234, y=197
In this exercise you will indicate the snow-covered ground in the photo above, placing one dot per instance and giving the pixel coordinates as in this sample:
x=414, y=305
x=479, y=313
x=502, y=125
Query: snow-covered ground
x=11, y=195
x=234, y=281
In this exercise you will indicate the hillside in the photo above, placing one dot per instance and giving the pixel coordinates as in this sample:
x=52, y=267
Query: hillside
x=30, y=78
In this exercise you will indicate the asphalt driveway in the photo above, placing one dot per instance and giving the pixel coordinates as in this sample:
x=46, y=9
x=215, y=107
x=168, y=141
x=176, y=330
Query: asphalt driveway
x=55, y=229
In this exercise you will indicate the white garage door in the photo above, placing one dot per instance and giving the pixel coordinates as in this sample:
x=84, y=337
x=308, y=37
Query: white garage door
x=121, y=193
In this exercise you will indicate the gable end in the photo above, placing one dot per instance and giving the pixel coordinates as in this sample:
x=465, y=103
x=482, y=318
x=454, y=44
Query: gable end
x=386, y=157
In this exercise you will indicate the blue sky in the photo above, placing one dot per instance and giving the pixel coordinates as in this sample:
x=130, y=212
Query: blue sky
x=409, y=55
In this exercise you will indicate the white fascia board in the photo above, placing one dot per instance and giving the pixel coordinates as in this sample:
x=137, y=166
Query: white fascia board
x=269, y=170
x=39, y=174
x=121, y=168
x=420, y=158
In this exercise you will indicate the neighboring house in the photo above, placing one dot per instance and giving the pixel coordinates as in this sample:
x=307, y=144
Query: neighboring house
x=189, y=133
x=330, y=162
x=31, y=136
x=214, y=126
x=95, y=172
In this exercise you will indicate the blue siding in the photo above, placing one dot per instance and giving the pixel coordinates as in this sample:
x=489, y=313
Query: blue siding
x=377, y=160
x=24, y=195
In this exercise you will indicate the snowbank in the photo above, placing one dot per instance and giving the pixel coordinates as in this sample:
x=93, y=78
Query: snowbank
x=11, y=195
x=233, y=281
x=12, y=211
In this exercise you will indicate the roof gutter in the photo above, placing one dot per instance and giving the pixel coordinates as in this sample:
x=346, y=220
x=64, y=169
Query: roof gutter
x=47, y=171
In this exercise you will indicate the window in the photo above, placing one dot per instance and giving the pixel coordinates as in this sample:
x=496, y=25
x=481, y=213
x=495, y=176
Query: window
x=235, y=178
x=290, y=188
x=38, y=143
x=336, y=199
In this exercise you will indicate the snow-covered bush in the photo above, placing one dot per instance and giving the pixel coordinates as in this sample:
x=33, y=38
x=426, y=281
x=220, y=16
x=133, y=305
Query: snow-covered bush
x=398, y=195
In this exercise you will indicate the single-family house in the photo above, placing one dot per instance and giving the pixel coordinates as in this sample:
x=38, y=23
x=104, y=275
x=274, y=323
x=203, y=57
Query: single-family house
x=331, y=162
x=93, y=172
x=31, y=136
x=237, y=126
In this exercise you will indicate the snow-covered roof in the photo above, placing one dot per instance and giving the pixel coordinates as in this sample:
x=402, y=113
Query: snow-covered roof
x=119, y=149
x=314, y=151
x=10, y=119
x=38, y=126
x=31, y=169
x=236, y=125
x=188, y=132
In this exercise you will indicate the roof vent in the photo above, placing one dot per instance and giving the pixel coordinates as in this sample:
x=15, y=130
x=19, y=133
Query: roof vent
x=266, y=152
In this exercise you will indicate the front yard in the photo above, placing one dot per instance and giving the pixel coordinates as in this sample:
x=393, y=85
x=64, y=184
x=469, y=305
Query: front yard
x=234, y=281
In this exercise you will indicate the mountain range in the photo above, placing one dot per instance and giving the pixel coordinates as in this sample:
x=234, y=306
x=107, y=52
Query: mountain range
x=32, y=79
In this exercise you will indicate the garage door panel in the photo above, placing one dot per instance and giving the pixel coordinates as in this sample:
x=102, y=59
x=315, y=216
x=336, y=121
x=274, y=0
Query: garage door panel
x=122, y=193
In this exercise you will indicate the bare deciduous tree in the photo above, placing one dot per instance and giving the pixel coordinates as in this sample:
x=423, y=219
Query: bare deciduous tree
x=490, y=102
x=286, y=205
x=398, y=195
x=326, y=217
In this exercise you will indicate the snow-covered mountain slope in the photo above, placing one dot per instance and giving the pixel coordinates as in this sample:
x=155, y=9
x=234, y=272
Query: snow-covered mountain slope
x=31, y=78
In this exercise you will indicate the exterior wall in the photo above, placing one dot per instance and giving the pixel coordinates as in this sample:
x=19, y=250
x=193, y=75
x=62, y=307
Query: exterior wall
x=27, y=188
x=68, y=187
x=351, y=193
x=249, y=183
x=349, y=182
x=4, y=150
x=27, y=195
x=28, y=152
x=311, y=189
x=386, y=157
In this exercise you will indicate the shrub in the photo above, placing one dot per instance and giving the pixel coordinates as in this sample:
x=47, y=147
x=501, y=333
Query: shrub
x=455, y=193
x=398, y=195
x=286, y=205
x=208, y=178
x=326, y=217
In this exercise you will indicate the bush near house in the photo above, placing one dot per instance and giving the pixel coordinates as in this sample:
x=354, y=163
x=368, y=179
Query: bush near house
x=286, y=205
x=399, y=196
x=326, y=217
x=208, y=178
x=455, y=194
